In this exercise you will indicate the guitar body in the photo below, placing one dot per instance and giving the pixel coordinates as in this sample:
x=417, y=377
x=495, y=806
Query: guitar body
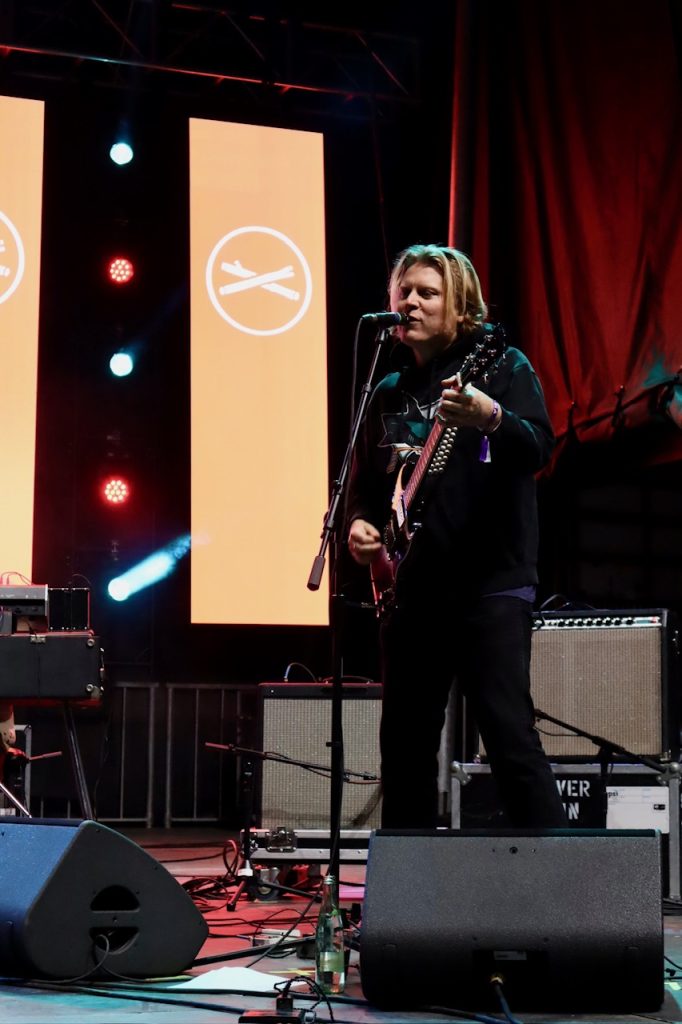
x=397, y=536
x=419, y=475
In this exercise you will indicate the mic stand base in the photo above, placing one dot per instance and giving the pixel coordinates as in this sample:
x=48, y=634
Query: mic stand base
x=249, y=881
x=253, y=887
x=245, y=885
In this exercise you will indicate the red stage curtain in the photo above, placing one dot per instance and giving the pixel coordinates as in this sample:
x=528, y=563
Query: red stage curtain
x=567, y=192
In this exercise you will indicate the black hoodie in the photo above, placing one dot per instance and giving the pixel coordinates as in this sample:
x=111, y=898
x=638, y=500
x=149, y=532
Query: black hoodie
x=479, y=523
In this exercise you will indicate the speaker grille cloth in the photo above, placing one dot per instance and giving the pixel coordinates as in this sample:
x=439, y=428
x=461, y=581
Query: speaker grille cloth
x=300, y=728
x=606, y=681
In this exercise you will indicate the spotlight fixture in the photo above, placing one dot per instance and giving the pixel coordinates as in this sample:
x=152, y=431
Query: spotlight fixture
x=121, y=153
x=121, y=270
x=116, y=490
x=121, y=364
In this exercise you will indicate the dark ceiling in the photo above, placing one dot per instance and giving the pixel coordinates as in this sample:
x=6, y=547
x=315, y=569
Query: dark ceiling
x=344, y=58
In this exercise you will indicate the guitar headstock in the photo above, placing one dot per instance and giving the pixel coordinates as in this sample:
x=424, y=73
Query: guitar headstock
x=488, y=349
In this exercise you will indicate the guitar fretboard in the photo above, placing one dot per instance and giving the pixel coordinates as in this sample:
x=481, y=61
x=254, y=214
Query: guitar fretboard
x=433, y=458
x=439, y=443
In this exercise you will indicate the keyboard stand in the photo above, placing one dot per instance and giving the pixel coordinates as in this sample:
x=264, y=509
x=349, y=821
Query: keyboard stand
x=76, y=761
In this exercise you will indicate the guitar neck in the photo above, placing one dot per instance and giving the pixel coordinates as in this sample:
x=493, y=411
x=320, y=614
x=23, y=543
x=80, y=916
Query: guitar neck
x=441, y=439
x=432, y=452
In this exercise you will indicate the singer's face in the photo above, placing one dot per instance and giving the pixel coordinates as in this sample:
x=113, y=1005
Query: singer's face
x=419, y=295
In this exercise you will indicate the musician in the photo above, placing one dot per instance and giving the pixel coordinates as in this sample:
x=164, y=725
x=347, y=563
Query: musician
x=464, y=590
x=8, y=733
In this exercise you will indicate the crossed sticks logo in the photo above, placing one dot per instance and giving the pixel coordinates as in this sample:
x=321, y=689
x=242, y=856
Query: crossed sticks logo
x=12, y=259
x=258, y=280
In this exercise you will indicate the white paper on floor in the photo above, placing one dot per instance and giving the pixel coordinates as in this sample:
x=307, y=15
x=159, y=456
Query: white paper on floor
x=241, y=978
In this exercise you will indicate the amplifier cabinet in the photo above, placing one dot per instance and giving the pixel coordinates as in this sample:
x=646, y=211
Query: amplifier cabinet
x=296, y=722
x=51, y=666
x=614, y=674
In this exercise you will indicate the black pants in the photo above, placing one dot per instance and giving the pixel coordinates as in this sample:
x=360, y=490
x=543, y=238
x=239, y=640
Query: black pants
x=486, y=646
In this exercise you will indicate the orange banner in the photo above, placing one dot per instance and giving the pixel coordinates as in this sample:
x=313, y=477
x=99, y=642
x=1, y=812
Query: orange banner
x=21, y=186
x=258, y=365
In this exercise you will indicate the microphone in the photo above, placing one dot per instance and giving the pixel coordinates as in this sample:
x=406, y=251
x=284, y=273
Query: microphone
x=385, y=319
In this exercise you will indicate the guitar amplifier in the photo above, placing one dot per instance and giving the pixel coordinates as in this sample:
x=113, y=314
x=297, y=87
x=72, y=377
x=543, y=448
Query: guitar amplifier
x=614, y=674
x=296, y=722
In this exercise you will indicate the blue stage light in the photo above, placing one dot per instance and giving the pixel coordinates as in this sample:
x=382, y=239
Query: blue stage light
x=121, y=153
x=150, y=570
x=121, y=364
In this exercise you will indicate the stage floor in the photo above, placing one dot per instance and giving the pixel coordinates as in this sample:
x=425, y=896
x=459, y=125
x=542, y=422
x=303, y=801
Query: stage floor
x=244, y=984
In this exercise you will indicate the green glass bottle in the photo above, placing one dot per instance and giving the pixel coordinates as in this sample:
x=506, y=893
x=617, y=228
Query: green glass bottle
x=330, y=964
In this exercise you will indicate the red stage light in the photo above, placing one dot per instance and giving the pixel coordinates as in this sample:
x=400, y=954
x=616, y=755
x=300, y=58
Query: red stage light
x=116, y=490
x=121, y=270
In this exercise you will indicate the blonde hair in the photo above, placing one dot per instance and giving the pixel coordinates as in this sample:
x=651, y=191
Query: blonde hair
x=461, y=287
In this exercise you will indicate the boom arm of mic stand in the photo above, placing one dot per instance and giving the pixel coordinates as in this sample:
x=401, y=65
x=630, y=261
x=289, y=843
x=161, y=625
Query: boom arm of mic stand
x=266, y=755
x=248, y=881
x=607, y=747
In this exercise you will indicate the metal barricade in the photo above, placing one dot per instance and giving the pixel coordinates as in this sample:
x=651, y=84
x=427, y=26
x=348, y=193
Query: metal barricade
x=202, y=784
x=118, y=744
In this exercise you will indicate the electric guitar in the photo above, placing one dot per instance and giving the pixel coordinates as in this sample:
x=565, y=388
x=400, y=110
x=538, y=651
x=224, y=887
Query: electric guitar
x=417, y=476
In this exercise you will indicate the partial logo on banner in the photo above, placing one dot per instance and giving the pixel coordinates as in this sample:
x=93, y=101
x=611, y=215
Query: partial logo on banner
x=259, y=281
x=12, y=259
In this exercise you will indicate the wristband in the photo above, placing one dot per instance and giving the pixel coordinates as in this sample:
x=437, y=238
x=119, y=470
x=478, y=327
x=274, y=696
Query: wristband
x=489, y=428
x=490, y=425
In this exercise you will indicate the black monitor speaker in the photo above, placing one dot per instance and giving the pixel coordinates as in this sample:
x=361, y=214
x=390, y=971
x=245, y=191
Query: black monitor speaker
x=571, y=921
x=78, y=898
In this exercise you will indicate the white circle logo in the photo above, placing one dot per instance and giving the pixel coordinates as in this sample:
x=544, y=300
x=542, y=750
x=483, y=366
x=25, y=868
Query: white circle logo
x=244, y=279
x=12, y=258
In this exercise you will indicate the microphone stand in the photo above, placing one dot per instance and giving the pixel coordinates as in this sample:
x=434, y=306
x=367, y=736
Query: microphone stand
x=667, y=772
x=20, y=756
x=271, y=755
x=14, y=800
x=248, y=881
x=330, y=535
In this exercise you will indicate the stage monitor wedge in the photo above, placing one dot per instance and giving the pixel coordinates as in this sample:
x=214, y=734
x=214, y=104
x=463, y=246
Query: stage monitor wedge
x=572, y=920
x=77, y=898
